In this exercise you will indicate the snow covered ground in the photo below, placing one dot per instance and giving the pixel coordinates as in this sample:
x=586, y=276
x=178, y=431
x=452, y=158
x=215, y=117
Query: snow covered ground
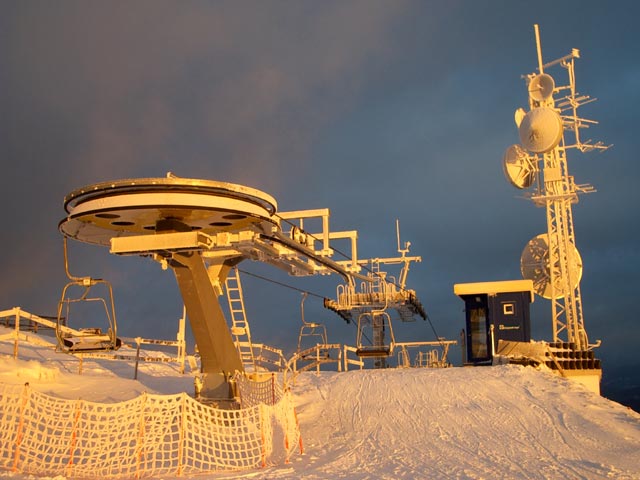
x=460, y=423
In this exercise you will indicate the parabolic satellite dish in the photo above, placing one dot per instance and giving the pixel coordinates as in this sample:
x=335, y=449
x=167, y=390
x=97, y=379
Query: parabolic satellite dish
x=534, y=265
x=540, y=130
x=519, y=115
x=519, y=167
x=541, y=87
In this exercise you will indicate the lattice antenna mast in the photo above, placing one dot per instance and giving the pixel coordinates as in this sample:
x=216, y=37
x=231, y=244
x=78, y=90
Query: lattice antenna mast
x=551, y=260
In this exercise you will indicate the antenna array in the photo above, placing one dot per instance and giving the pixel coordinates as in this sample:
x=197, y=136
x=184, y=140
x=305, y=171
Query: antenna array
x=551, y=259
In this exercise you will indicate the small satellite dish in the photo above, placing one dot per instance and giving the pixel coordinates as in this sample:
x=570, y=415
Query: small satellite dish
x=519, y=167
x=540, y=130
x=534, y=266
x=541, y=87
x=518, y=116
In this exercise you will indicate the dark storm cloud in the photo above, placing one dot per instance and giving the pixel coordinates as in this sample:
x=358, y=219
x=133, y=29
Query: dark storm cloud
x=376, y=110
x=101, y=90
x=240, y=88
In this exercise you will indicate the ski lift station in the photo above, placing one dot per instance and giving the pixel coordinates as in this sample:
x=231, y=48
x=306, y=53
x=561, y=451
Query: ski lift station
x=201, y=230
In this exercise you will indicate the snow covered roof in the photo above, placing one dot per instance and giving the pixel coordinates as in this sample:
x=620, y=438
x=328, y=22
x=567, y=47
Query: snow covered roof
x=493, y=288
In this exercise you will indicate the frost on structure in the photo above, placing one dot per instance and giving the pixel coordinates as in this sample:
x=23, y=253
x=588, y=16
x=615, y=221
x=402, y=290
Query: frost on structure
x=269, y=393
x=147, y=436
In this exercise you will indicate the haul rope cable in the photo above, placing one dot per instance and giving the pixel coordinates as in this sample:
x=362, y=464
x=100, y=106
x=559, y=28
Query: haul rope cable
x=282, y=284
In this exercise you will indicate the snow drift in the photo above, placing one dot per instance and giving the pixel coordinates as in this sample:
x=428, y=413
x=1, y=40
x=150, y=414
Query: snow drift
x=461, y=423
x=472, y=423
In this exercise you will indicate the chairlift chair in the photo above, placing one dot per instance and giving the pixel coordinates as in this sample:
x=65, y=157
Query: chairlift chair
x=310, y=329
x=379, y=322
x=91, y=339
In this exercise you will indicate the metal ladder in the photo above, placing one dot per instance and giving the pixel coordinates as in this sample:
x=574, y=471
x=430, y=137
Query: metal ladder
x=239, y=324
x=378, y=285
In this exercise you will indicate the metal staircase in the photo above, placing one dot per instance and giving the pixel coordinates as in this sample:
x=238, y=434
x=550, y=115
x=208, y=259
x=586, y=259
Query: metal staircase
x=239, y=325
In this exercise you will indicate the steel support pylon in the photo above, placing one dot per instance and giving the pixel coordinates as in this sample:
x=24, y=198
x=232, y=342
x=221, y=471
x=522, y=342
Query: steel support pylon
x=218, y=355
x=559, y=193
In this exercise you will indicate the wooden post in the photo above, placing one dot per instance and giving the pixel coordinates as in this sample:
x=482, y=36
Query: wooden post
x=74, y=437
x=140, y=439
x=135, y=374
x=262, y=407
x=273, y=389
x=182, y=344
x=17, y=334
x=20, y=433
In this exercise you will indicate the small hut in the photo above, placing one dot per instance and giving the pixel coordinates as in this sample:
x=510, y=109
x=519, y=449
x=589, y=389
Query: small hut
x=494, y=311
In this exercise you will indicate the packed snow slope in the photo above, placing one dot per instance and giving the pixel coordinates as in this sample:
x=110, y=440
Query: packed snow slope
x=472, y=423
x=505, y=422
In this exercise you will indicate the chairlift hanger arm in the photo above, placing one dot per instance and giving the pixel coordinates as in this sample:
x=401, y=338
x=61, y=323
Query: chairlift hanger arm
x=84, y=281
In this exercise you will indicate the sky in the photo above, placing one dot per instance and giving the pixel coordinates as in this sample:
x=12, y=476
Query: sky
x=377, y=110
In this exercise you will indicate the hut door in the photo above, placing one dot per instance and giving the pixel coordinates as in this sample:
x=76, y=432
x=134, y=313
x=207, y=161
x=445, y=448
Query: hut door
x=478, y=348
